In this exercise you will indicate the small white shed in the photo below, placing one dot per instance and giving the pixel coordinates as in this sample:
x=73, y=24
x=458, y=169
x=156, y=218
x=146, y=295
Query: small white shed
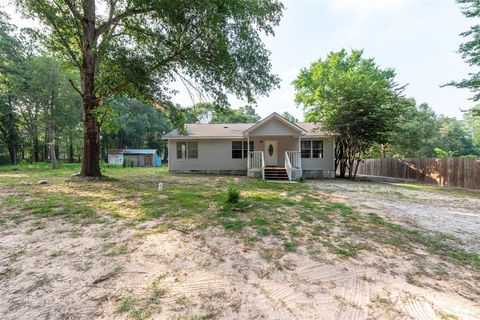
x=134, y=157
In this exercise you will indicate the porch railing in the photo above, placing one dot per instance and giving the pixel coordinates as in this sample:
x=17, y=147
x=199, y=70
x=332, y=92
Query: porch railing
x=293, y=165
x=256, y=164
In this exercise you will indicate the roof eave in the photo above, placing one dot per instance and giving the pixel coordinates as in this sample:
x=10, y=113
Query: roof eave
x=201, y=138
x=285, y=121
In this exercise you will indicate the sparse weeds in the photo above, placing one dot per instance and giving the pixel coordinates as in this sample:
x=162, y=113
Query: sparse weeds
x=282, y=217
x=411, y=278
x=289, y=246
x=142, y=306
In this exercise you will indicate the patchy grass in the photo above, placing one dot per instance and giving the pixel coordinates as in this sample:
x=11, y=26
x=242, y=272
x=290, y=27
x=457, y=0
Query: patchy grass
x=435, y=188
x=119, y=215
x=143, y=307
x=293, y=214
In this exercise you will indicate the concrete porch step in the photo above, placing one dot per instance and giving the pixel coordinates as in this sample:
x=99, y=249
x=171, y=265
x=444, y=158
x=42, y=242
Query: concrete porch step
x=276, y=173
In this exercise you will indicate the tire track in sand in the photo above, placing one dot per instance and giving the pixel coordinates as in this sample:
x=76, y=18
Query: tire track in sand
x=355, y=294
x=326, y=272
x=198, y=283
x=282, y=292
x=420, y=309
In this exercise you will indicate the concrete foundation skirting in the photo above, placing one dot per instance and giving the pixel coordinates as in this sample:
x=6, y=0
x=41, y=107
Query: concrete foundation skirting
x=314, y=174
x=309, y=174
x=214, y=172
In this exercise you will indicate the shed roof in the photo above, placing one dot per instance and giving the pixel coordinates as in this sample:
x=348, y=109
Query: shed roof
x=132, y=151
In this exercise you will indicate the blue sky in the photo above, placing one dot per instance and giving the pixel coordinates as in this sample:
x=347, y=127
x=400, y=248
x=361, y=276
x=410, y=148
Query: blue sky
x=418, y=38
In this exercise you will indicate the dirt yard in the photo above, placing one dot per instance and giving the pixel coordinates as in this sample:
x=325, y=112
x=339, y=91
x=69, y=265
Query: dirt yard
x=117, y=249
x=455, y=212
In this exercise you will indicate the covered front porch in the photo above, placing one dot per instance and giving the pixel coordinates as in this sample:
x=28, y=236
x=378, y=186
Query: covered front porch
x=271, y=154
x=274, y=149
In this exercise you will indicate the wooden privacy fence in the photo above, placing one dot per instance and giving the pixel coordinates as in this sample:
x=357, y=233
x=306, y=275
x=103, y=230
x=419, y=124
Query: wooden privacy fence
x=453, y=172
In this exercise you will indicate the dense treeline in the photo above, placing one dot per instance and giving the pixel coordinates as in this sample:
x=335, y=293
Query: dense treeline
x=41, y=113
x=137, y=49
x=420, y=132
x=363, y=105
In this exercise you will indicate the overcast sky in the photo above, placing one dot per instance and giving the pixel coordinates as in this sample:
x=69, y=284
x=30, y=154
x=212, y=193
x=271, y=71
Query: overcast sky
x=419, y=38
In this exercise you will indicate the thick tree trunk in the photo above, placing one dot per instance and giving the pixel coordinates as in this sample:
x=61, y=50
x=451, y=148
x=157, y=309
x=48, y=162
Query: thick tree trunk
x=340, y=160
x=91, y=141
x=70, y=150
x=11, y=135
x=45, y=146
x=51, y=146
x=36, y=148
x=57, y=146
x=91, y=145
x=12, y=150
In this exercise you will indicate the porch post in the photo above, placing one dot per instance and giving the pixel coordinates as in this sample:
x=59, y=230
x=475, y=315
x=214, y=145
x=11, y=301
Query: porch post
x=299, y=144
x=248, y=151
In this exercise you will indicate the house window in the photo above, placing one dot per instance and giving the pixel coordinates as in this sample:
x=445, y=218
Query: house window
x=317, y=149
x=245, y=148
x=187, y=150
x=193, y=150
x=312, y=149
x=306, y=148
x=237, y=149
x=240, y=149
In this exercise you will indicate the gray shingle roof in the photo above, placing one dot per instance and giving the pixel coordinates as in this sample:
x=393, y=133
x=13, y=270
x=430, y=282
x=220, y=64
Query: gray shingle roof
x=232, y=130
x=132, y=151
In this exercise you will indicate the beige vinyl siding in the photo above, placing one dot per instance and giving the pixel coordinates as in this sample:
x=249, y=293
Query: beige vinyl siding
x=274, y=127
x=212, y=155
x=325, y=163
x=217, y=154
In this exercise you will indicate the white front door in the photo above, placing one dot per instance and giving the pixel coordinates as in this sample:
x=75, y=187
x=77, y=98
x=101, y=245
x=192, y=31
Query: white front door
x=271, y=153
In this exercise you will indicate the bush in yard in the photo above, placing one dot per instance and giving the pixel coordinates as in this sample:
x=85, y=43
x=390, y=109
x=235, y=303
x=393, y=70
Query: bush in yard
x=233, y=195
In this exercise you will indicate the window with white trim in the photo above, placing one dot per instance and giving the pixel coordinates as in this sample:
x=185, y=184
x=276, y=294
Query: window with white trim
x=312, y=149
x=187, y=150
x=240, y=149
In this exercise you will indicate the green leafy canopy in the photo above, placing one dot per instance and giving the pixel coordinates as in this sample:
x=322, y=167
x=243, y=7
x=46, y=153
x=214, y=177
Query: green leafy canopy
x=470, y=50
x=350, y=95
x=213, y=47
x=353, y=98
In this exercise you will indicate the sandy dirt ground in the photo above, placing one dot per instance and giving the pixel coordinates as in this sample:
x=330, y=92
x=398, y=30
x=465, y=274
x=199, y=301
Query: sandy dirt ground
x=455, y=213
x=51, y=269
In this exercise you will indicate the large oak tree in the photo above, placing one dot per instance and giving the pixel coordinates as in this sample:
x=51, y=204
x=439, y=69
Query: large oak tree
x=137, y=47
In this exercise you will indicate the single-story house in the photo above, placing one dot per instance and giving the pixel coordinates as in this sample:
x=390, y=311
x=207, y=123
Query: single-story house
x=273, y=148
x=134, y=157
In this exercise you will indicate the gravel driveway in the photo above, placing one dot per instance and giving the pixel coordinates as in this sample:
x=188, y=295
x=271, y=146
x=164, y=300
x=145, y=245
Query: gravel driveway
x=455, y=212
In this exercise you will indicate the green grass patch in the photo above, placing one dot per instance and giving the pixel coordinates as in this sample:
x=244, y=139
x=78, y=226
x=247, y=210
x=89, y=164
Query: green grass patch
x=292, y=214
x=289, y=246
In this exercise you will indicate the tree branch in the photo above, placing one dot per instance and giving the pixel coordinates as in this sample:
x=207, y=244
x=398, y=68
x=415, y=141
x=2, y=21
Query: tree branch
x=73, y=10
x=177, y=52
x=76, y=19
x=73, y=56
x=75, y=87
x=114, y=20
